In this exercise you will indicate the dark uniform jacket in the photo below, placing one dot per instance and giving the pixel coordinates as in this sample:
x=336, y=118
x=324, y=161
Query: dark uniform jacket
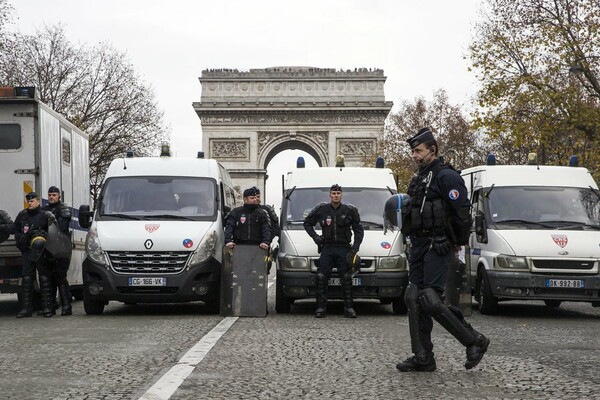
x=336, y=224
x=63, y=216
x=439, y=204
x=273, y=220
x=248, y=224
x=30, y=223
x=7, y=226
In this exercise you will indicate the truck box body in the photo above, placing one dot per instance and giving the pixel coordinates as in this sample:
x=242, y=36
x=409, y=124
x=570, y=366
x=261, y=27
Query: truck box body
x=537, y=234
x=383, y=268
x=154, y=217
x=39, y=148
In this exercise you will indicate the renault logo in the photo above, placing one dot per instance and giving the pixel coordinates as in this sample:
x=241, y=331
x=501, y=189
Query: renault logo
x=148, y=244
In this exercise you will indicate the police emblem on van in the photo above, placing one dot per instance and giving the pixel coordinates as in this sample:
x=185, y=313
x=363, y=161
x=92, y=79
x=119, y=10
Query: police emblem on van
x=560, y=240
x=152, y=227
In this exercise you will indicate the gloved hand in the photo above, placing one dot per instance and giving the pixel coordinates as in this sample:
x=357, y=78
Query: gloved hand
x=318, y=240
x=350, y=256
x=441, y=245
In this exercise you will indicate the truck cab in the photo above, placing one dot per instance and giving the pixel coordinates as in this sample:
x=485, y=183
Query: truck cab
x=383, y=272
x=536, y=234
x=157, y=233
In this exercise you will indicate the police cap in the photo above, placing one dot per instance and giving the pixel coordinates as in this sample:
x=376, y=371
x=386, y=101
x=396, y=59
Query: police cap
x=424, y=135
x=250, y=192
x=53, y=189
x=256, y=190
x=32, y=195
x=335, y=188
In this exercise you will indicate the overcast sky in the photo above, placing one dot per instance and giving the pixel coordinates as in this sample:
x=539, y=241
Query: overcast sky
x=420, y=45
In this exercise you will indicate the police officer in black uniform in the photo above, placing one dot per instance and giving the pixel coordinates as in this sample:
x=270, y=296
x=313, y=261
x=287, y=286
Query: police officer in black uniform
x=273, y=223
x=248, y=224
x=31, y=230
x=58, y=267
x=7, y=226
x=337, y=221
x=438, y=220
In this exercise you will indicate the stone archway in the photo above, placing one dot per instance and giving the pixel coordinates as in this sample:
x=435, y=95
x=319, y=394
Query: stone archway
x=248, y=117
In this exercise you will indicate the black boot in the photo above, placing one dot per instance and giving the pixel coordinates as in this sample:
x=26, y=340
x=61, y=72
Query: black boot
x=321, y=310
x=26, y=297
x=47, y=302
x=65, y=298
x=346, y=281
x=422, y=363
x=476, y=351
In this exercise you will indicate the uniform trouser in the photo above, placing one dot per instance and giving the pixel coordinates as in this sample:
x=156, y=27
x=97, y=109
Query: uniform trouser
x=28, y=270
x=427, y=269
x=334, y=256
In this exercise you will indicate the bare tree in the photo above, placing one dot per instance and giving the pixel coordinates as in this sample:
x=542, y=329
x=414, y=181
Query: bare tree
x=96, y=88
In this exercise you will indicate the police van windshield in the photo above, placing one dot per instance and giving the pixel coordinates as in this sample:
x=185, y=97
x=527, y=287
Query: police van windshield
x=369, y=202
x=152, y=197
x=547, y=206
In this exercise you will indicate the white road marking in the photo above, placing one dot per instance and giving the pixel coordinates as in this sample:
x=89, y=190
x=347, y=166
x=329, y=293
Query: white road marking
x=164, y=388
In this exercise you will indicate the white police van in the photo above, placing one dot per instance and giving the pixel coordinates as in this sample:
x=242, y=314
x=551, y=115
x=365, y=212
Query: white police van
x=157, y=232
x=383, y=272
x=536, y=236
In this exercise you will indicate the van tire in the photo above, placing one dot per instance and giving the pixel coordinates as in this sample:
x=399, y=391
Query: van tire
x=283, y=305
x=488, y=304
x=552, y=303
x=92, y=307
x=398, y=306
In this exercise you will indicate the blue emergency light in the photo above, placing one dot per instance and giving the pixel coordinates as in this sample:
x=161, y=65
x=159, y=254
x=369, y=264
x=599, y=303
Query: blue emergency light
x=573, y=161
x=300, y=162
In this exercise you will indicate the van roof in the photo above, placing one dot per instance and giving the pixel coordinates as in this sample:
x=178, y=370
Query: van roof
x=163, y=166
x=345, y=177
x=530, y=175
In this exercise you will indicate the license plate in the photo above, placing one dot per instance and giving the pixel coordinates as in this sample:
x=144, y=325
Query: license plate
x=149, y=281
x=336, y=282
x=564, y=283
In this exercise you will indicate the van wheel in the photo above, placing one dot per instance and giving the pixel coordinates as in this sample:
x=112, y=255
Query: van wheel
x=488, y=304
x=553, y=303
x=398, y=306
x=282, y=304
x=91, y=306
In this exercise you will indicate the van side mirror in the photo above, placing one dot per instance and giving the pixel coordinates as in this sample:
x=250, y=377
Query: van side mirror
x=85, y=216
x=481, y=228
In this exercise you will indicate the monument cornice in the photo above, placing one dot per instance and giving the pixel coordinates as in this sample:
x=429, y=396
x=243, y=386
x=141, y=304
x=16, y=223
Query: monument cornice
x=291, y=117
x=292, y=106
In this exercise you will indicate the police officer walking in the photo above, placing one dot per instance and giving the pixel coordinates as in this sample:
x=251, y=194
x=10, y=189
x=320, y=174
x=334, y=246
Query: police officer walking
x=337, y=221
x=58, y=266
x=248, y=224
x=438, y=220
x=31, y=230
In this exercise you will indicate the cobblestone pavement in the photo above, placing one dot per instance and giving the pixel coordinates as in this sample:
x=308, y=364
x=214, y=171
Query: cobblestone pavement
x=536, y=353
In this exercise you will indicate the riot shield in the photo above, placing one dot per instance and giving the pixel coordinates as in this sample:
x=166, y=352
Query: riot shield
x=57, y=243
x=244, y=281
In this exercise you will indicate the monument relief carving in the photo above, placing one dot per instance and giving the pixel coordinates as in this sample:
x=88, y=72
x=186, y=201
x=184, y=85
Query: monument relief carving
x=229, y=148
x=356, y=147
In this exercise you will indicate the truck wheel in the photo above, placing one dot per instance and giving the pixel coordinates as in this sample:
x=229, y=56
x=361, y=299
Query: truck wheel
x=92, y=307
x=398, y=306
x=282, y=304
x=553, y=303
x=488, y=304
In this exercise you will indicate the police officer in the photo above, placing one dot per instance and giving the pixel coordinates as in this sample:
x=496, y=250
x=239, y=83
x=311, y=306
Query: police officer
x=7, y=226
x=438, y=220
x=31, y=230
x=58, y=266
x=248, y=224
x=273, y=224
x=337, y=221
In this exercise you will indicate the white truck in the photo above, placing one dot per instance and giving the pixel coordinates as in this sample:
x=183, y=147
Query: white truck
x=157, y=235
x=39, y=148
x=383, y=272
x=536, y=234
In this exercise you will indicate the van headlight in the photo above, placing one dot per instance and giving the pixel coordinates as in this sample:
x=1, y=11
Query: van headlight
x=205, y=249
x=93, y=249
x=293, y=263
x=511, y=262
x=397, y=263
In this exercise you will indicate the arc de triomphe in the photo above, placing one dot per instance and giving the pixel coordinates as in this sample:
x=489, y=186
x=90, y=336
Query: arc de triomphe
x=248, y=117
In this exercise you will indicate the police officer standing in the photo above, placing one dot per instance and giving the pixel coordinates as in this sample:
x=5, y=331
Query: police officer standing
x=248, y=224
x=337, y=221
x=273, y=223
x=31, y=230
x=58, y=266
x=438, y=220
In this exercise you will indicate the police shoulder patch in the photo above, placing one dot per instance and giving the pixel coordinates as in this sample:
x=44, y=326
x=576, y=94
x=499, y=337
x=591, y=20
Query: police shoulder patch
x=453, y=194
